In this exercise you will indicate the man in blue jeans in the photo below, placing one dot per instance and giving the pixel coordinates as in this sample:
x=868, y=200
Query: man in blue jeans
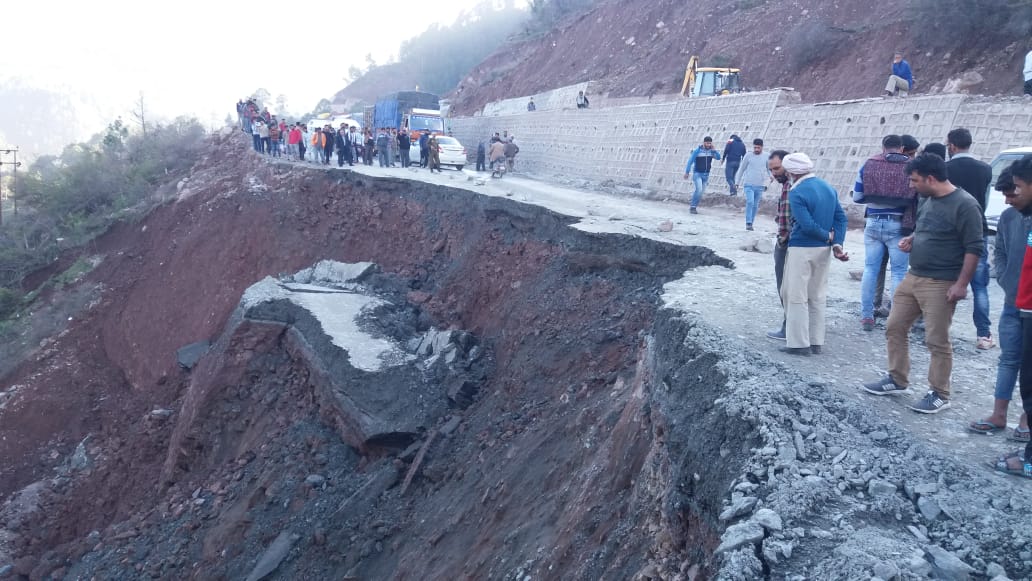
x=701, y=162
x=974, y=177
x=884, y=185
x=1012, y=232
x=753, y=175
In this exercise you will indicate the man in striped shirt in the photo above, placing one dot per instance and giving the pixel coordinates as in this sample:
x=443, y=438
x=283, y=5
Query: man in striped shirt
x=784, y=221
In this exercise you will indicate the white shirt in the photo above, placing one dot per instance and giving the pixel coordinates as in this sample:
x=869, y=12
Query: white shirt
x=1028, y=66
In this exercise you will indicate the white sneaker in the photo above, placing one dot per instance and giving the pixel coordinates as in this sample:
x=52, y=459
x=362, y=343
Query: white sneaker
x=985, y=343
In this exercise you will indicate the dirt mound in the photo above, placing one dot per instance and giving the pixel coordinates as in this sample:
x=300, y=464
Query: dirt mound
x=558, y=464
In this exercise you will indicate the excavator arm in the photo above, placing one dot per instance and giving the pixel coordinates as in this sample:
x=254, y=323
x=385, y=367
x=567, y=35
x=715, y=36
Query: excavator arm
x=689, y=76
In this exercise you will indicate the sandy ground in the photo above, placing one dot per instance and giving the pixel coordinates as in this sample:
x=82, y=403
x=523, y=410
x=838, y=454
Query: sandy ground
x=744, y=304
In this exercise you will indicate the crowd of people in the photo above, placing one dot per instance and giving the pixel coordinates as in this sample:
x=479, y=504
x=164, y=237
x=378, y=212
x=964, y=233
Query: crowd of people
x=926, y=235
x=299, y=141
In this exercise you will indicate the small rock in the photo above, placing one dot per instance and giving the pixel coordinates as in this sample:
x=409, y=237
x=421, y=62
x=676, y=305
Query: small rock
x=929, y=508
x=160, y=414
x=880, y=488
x=879, y=435
x=995, y=570
x=315, y=480
x=919, y=567
x=450, y=426
x=800, y=446
x=887, y=571
x=739, y=535
x=928, y=488
x=917, y=533
x=768, y=519
x=946, y=565
x=665, y=226
x=740, y=506
x=765, y=245
x=273, y=556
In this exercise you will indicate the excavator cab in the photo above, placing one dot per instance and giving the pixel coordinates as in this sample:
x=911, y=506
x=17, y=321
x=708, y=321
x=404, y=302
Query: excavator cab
x=709, y=81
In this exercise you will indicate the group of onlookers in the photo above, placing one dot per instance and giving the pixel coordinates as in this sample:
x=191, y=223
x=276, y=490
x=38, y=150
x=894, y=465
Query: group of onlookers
x=926, y=235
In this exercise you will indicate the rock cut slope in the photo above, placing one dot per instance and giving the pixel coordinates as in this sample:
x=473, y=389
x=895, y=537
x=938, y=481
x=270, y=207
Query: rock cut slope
x=826, y=50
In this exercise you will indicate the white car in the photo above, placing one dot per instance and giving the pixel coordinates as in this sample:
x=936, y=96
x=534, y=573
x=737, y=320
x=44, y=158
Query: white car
x=994, y=204
x=452, y=152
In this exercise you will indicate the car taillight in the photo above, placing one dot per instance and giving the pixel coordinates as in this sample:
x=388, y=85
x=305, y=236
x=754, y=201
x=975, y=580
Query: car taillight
x=463, y=151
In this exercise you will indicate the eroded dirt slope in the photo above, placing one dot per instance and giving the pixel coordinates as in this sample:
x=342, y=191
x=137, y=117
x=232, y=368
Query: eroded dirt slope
x=559, y=463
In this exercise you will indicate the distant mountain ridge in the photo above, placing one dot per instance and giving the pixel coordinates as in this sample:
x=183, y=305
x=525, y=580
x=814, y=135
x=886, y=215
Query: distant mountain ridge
x=41, y=119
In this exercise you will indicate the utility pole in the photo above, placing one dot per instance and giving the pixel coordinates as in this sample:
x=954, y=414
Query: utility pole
x=15, y=165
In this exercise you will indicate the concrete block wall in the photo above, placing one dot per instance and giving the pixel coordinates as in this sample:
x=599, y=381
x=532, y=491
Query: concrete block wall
x=649, y=144
x=839, y=137
x=996, y=124
x=561, y=98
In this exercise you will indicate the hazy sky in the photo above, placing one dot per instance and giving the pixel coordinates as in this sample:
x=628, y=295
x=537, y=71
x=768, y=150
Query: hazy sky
x=199, y=56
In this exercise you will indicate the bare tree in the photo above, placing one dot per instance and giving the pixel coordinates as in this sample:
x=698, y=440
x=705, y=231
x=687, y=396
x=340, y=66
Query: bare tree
x=140, y=113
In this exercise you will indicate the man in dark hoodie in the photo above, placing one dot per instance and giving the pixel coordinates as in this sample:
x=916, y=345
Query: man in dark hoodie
x=734, y=151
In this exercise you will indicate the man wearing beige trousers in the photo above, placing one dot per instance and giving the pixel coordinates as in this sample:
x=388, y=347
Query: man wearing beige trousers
x=818, y=231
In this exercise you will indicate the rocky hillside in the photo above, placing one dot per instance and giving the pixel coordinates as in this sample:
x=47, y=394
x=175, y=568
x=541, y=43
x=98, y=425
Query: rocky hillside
x=826, y=50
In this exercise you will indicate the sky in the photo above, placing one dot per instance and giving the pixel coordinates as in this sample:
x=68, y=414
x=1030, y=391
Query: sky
x=197, y=57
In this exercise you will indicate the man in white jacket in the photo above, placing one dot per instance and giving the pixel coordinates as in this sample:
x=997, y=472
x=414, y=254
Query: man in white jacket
x=1028, y=73
x=753, y=175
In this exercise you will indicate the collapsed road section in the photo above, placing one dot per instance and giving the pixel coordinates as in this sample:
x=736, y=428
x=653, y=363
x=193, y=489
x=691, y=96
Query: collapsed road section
x=392, y=380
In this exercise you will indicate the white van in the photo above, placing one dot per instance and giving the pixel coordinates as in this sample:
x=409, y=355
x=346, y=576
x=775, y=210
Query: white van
x=994, y=203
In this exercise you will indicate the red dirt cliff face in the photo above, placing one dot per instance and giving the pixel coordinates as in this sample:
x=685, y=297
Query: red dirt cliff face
x=561, y=427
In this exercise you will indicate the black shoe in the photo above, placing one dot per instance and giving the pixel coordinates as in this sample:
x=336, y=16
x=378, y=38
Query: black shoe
x=778, y=335
x=748, y=227
x=796, y=350
x=815, y=349
x=693, y=211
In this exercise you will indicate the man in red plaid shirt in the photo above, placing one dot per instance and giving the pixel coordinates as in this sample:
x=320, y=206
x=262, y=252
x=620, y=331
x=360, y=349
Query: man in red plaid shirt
x=784, y=220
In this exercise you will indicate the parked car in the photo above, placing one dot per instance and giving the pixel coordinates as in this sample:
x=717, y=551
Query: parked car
x=994, y=203
x=452, y=152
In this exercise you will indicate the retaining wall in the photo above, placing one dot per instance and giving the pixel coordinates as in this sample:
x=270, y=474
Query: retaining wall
x=648, y=144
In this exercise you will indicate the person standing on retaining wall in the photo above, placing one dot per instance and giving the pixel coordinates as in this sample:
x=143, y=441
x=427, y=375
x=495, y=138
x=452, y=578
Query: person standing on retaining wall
x=818, y=231
x=700, y=162
x=753, y=175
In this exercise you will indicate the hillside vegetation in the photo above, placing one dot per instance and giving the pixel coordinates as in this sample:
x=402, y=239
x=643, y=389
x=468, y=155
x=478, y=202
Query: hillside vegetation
x=66, y=200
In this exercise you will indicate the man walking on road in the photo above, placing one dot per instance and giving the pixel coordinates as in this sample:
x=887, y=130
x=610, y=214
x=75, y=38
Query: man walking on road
x=734, y=151
x=818, y=231
x=700, y=162
x=753, y=175
x=944, y=252
x=784, y=221
x=1012, y=232
x=901, y=79
x=974, y=176
x=883, y=184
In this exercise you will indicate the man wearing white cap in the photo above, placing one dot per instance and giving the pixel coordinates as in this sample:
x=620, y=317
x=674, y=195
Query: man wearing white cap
x=818, y=231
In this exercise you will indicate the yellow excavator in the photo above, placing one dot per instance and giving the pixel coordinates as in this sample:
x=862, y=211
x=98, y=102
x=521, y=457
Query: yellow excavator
x=709, y=81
